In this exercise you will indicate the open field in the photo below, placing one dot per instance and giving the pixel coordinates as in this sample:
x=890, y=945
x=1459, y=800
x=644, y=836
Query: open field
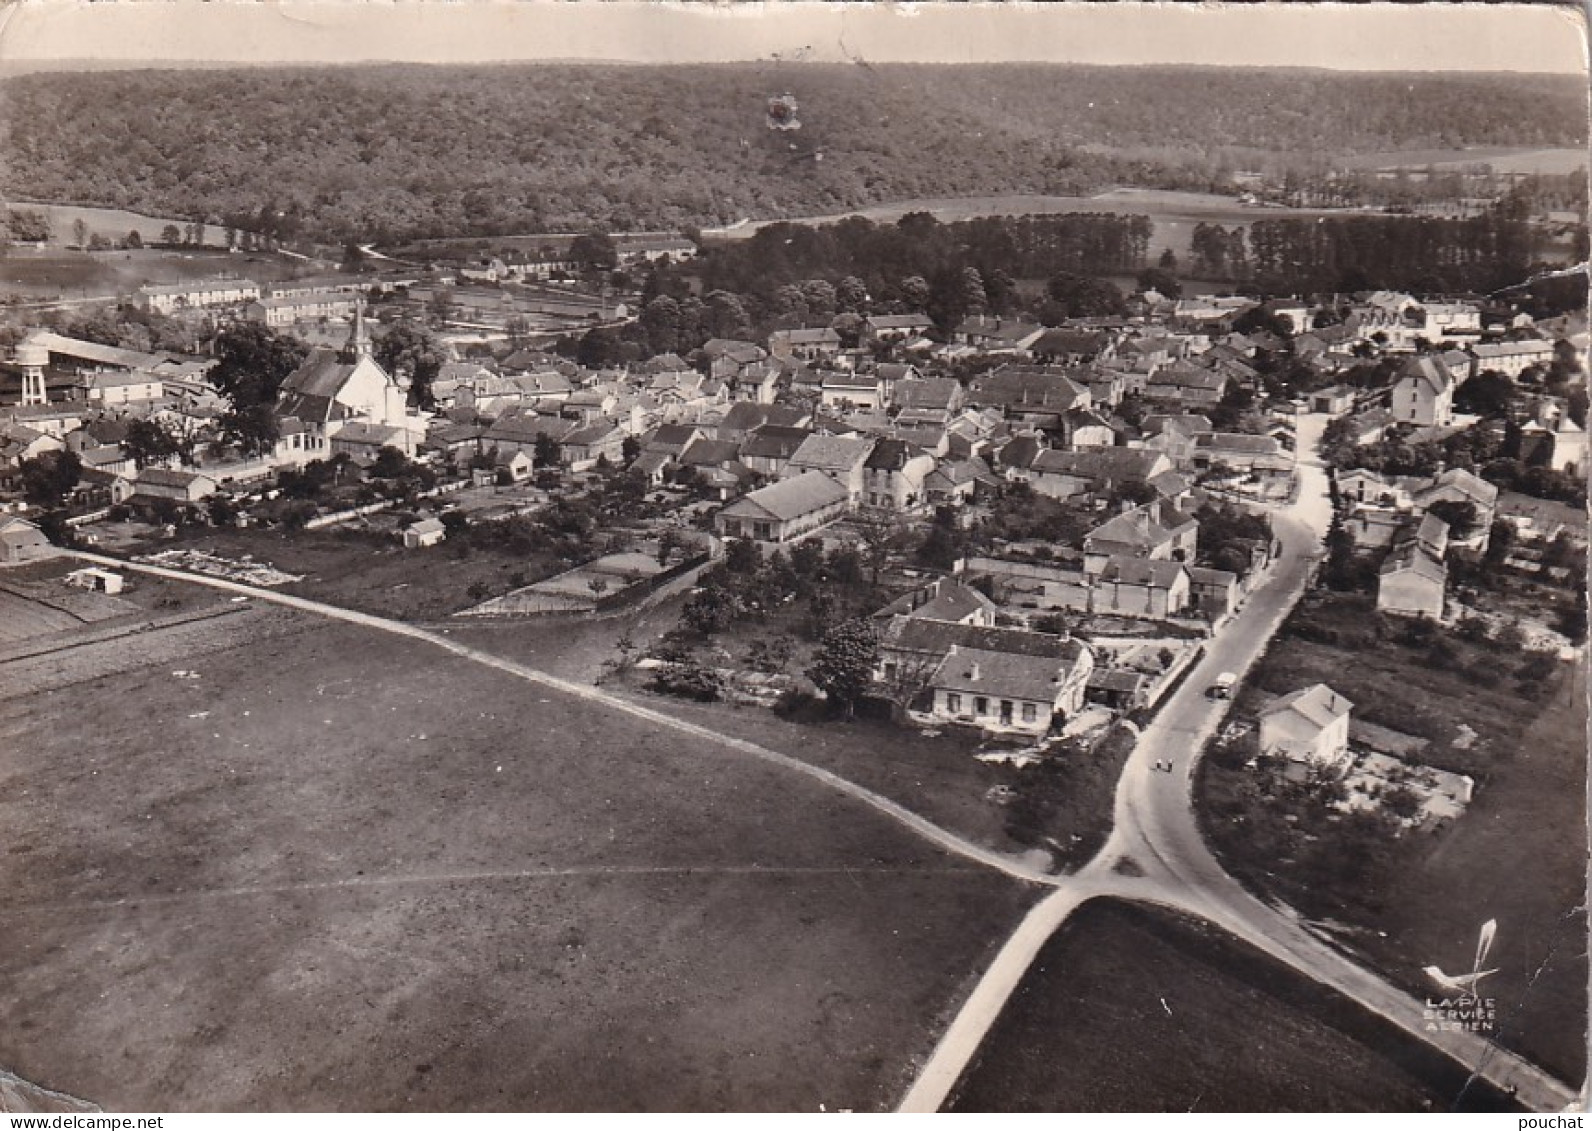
x=1500, y=159
x=376, y=574
x=112, y=223
x=1129, y=1009
x=23, y=619
x=342, y=871
x=1518, y=854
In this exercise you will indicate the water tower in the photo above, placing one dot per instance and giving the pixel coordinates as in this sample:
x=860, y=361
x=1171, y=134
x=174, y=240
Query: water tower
x=32, y=358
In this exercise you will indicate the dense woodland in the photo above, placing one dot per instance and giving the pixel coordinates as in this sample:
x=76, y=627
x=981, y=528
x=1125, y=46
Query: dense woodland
x=396, y=152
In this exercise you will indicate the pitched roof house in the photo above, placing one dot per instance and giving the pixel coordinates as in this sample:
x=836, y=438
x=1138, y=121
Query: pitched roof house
x=1007, y=692
x=785, y=511
x=1310, y=727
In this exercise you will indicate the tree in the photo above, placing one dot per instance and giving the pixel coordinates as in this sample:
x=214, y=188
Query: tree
x=80, y=232
x=629, y=449
x=915, y=292
x=252, y=362
x=441, y=306
x=593, y=253
x=851, y=295
x=171, y=235
x=843, y=669
x=711, y=609
x=1084, y=297
x=661, y=319
x=1161, y=281
x=905, y=678
x=410, y=352
x=547, y=453
x=134, y=240
x=149, y=442
x=1489, y=394
x=1461, y=516
x=48, y=478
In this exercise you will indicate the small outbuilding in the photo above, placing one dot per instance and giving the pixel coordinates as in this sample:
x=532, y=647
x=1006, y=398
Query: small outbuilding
x=426, y=532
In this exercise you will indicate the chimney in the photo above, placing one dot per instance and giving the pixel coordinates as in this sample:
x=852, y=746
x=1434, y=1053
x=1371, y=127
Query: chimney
x=973, y=672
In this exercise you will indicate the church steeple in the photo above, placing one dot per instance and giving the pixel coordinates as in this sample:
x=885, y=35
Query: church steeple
x=359, y=337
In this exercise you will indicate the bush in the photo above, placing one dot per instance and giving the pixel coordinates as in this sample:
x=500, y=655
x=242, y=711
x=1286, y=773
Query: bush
x=688, y=680
x=795, y=703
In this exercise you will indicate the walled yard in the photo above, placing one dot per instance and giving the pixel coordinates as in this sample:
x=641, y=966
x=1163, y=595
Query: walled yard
x=372, y=573
x=335, y=870
x=1410, y=898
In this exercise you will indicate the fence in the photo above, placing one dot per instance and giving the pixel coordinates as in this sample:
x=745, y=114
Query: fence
x=336, y=517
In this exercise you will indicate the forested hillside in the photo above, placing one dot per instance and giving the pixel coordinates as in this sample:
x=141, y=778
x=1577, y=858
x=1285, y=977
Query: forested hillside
x=397, y=152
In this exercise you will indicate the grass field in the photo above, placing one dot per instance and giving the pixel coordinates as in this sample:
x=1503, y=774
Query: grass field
x=1128, y=1009
x=112, y=223
x=342, y=871
x=1517, y=855
x=1502, y=160
x=377, y=575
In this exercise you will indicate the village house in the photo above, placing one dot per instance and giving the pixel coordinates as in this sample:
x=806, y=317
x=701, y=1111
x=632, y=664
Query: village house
x=955, y=481
x=1031, y=394
x=22, y=541
x=1309, y=728
x=893, y=476
x=362, y=441
x=1260, y=456
x=179, y=486
x=1512, y=358
x=650, y=247
x=819, y=344
x=1064, y=475
x=927, y=400
x=1135, y=587
x=785, y=511
x=1423, y=395
x=768, y=450
x=844, y=389
x=119, y=388
x=891, y=328
x=1177, y=436
x=728, y=358
x=511, y=467
x=522, y=431
x=1461, y=486
x=991, y=334
x=943, y=599
x=1157, y=530
x=1008, y=693
x=1063, y=346
x=1186, y=386
x=1412, y=581
x=587, y=446
x=913, y=651
x=740, y=419
x=1212, y=593
x=841, y=458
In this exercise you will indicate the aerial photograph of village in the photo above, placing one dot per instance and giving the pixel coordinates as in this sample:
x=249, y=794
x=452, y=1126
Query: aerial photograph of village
x=809, y=560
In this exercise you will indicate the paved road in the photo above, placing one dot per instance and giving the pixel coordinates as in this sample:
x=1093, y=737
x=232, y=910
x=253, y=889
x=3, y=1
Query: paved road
x=1155, y=853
